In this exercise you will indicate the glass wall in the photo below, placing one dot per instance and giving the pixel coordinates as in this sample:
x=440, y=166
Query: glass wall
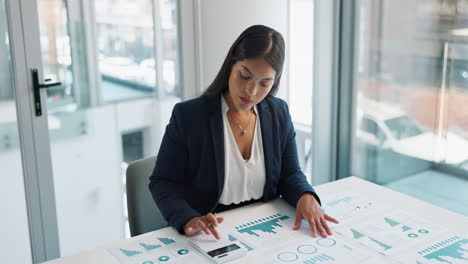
x=14, y=228
x=98, y=127
x=300, y=86
x=168, y=41
x=411, y=98
x=125, y=38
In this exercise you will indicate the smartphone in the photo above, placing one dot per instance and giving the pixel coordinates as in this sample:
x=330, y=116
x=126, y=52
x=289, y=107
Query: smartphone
x=218, y=251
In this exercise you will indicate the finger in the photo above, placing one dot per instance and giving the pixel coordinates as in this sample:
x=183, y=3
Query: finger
x=214, y=231
x=320, y=230
x=203, y=226
x=190, y=228
x=220, y=219
x=331, y=219
x=312, y=227
x=325, y=226
x=211, y=219
x=297, y=223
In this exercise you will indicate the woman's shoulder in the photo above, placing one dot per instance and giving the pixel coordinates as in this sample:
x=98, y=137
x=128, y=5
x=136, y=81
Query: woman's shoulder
x=194, y=107
x=195, y=102
x=276, y=102
x=278, y=106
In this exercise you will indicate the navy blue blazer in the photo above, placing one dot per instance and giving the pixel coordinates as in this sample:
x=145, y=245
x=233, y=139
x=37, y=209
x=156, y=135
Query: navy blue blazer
x=188, y=178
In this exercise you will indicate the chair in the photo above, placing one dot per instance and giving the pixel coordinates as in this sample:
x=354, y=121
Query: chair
x=143, y=214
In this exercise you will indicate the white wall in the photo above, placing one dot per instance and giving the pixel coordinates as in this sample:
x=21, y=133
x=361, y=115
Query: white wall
x=87, y=181
x=88, y=175
x=219, y=22
x=14, y=227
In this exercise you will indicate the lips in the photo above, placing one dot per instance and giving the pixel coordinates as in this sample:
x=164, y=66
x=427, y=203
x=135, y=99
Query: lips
x=245, y=100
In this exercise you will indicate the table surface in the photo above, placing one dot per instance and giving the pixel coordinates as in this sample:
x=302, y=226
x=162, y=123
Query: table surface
x=452, y=222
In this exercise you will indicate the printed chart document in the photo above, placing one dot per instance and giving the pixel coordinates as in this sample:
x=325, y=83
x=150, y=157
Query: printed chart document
x=368, y=232
x=155, y=249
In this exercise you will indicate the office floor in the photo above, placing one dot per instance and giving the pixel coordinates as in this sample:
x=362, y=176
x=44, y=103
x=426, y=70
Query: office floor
x=437, y=188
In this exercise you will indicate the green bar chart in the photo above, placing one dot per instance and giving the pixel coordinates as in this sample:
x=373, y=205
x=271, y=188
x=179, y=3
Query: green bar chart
x=130, y=253
x=322, y=258
x=344, y=200
x=166, y=241
x=149, y=246
x=266, y=225
x=452, y=250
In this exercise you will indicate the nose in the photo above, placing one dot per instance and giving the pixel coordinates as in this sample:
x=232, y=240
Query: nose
x=251, y=89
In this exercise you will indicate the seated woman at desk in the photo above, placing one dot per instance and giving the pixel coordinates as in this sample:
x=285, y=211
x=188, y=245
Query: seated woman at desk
x=234, y=145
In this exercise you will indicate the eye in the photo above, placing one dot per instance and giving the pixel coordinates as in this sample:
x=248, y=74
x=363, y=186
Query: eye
x=244, y=77
x=265, y=84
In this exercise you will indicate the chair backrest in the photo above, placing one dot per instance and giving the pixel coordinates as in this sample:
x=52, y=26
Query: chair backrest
x=143, y=214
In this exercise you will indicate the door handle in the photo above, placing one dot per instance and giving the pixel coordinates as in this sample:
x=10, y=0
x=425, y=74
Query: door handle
x=37, y=90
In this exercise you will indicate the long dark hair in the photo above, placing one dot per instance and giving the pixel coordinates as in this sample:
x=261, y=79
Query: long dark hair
x=255, y=42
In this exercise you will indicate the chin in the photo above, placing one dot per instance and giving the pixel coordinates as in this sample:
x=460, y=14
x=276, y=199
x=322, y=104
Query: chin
x=245, y=107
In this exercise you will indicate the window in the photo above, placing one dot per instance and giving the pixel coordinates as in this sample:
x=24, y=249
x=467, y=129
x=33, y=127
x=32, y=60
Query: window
x=125, y=40
x=99, y=124
x=411, y=81
x=300, y=86
x=301, y=46
x=127, y=47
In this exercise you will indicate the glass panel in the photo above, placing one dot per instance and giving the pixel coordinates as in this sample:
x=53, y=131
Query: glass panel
x=411, y=98
x=301, y=47
x=92, y=141
x=56, y=54
x=170, y=54
x=14, y=228
x=455, y=132
x=125, y=38
x=301, y=31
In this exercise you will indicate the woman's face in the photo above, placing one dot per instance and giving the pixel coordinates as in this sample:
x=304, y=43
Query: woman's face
x=249, y=82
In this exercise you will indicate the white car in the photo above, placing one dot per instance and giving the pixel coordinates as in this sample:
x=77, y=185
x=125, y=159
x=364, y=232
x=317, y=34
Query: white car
x=388, y=127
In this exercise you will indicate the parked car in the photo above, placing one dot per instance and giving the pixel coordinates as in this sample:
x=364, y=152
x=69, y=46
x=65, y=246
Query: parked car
x=380, y=125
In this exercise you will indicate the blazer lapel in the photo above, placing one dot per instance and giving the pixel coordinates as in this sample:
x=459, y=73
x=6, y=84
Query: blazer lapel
x=216, y=126
x=266, y=122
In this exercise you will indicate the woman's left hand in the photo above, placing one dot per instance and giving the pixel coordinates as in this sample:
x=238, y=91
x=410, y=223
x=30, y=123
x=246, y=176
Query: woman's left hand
x=309, y=209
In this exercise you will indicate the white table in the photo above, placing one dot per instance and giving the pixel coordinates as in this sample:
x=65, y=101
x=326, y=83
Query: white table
x=382, y=196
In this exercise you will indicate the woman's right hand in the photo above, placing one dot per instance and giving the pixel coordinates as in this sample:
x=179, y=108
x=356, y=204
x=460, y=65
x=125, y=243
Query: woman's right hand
x=207, y=224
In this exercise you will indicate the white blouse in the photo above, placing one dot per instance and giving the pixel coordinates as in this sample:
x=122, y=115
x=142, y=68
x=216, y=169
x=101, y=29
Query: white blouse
x=244, y=180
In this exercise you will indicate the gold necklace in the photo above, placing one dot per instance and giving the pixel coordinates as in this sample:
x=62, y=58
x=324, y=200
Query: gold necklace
x=244, y=131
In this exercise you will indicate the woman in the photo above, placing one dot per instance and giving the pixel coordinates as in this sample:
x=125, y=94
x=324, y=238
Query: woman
x=234, y=145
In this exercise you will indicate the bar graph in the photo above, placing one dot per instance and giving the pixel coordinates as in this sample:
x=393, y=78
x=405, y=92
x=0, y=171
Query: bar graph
x=322, y=258
x=166, y=241
x=344, y=200
x=149, y=246
x=130, y=253
x=452, y=250
x=266, y=225
x=345, y=207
